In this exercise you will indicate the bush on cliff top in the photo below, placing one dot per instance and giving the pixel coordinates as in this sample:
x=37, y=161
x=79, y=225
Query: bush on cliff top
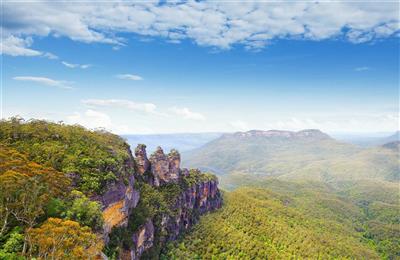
x=96, y=157
x=196, y=176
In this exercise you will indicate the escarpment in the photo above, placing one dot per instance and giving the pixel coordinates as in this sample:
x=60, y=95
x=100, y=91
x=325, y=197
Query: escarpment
x=136, y=203
x=168, y=202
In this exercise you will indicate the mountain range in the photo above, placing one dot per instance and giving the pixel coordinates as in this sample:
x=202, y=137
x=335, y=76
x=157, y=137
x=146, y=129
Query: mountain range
x=307, y=155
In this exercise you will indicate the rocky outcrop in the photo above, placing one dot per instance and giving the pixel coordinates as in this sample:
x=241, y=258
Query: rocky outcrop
x=174, y=160
x=117, y=203
x=193, y=202
x=188, y=207
x=143, y=239
x=119, y=198
x=197, y=196
x=165, y=168
x=142, y=163
x=194, y=194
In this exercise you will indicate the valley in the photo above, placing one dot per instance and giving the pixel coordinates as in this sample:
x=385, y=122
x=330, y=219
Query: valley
x=269, y=194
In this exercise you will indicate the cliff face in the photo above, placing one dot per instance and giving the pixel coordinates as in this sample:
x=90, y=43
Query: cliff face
x=193, y=202
x=119, y=198
x=194, y=194
x=188, y=207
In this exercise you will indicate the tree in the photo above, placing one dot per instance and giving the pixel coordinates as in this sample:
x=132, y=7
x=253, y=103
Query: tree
x=64, y=239
x=85, y=211
x=26, y=188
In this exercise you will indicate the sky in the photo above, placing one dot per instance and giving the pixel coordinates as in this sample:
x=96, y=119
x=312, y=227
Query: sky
x=175, y=67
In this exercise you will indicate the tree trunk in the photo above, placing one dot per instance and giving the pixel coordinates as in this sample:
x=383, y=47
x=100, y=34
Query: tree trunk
x=5, y=222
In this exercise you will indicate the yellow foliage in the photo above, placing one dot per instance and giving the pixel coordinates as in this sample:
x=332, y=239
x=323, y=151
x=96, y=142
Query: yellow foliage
x=64, y=239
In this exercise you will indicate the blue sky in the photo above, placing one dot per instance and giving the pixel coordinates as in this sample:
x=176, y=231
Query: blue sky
x=340, y=73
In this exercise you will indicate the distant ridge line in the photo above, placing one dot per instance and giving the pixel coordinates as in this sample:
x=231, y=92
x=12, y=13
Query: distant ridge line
x=281, y=133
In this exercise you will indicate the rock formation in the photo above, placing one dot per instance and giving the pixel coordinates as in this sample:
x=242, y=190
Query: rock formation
x=189, y=206
x=165, y=168
x=142, y=163
x=120, y=199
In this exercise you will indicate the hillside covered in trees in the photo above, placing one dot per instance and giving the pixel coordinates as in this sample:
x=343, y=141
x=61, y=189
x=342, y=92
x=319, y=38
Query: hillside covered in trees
x=72, y=193
x=308, y=154
x=282, y=220
x=298, y=195
x=67, y=192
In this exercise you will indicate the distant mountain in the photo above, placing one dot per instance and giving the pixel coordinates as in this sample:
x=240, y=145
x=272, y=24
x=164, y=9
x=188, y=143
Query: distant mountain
x=393, y=138
x=392, y=145
x=182, y=142
x=307, y=154
x=368, y=140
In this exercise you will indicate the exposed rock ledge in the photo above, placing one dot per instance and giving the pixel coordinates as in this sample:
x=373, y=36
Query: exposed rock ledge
x=190, y=205
x=194, y=199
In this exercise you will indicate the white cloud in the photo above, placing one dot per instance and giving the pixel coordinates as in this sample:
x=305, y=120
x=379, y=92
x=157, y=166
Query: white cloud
x=44, y=81
x=187, y=114
x=122, y=103
x=94, y=119
x=359, y=69
x=129, y=77
x=16, y=46
x=252, y=24
x=349, y=123
x=72, y=66
x=50, y=56
x=239, y=125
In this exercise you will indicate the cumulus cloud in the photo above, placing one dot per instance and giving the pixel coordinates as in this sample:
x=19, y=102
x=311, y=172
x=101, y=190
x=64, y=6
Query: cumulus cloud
x=129, y=77
x=221, y=24
x=16, y=46
x=187, y=114
x=349, y=123
x=44, y=81
x=94, y=119
x=73, y=66
x=122, y=103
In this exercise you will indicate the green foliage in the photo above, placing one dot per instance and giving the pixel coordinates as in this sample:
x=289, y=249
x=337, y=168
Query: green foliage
x=85, y=211
x=352, y=220
x=12, y=245
x=95, y=157
x=259, y=223
x=120, y=238
x=195, y=177
x=152, y=202
x=56, y=208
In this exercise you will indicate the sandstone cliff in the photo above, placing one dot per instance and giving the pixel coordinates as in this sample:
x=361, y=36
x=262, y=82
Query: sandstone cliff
x=180, y=195
x=119, y=198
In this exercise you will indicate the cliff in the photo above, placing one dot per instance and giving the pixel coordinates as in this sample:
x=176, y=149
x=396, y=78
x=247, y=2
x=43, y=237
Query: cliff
x=119, y=198
x=135, y=203
x=171, y=201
